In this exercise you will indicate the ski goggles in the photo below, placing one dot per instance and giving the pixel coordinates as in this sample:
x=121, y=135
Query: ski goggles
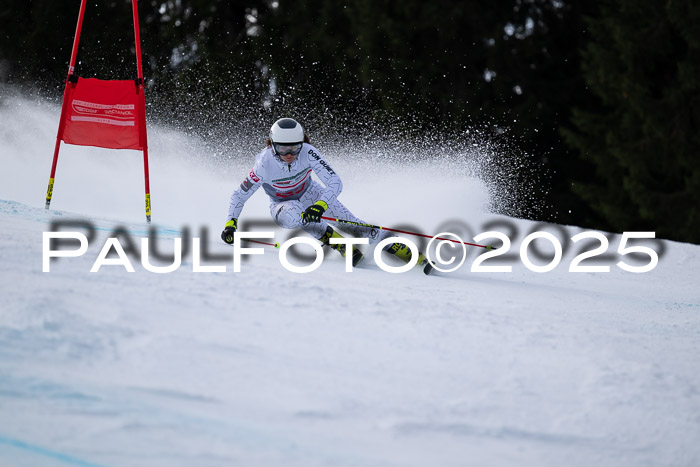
x=282, y=149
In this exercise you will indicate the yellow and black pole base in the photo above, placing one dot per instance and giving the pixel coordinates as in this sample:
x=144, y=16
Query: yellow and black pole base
x=148, y=208
x=49, y=193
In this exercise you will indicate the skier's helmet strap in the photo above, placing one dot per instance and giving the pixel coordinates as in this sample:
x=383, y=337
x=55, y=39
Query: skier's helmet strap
x=286, y=130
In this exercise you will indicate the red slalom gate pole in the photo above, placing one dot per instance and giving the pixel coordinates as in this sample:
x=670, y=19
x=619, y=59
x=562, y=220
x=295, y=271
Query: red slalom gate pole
x=343, y=221
x=61, y=123
x=142, y=109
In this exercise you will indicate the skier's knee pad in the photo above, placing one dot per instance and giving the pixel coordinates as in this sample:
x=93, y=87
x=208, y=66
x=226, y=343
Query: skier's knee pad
x=287, y=214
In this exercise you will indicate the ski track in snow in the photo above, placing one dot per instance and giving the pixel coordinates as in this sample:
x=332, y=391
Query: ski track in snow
x=268, y=367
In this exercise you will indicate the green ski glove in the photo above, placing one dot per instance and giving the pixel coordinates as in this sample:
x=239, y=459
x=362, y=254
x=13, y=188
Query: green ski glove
x=229, y=230
x=314, y=212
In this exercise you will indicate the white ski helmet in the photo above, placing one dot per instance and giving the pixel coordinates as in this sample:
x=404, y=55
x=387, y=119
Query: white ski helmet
x=286, y=130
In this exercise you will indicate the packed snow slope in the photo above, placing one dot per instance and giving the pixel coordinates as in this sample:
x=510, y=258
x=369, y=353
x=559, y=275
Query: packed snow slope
x=268, y=367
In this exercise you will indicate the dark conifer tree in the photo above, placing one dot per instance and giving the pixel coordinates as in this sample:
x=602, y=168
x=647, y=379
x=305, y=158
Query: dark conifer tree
x=643, y=62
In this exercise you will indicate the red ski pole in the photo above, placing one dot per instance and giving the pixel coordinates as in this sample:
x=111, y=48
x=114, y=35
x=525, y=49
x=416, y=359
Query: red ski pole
x=276, y=245
x=343, y=221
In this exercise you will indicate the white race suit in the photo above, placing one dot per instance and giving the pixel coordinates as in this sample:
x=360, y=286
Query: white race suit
x=291, y=190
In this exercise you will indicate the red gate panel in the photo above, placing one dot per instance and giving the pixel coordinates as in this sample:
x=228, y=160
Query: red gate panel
x=103, y=113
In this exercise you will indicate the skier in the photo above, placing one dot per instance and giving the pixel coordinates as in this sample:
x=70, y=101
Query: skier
x=283, y=169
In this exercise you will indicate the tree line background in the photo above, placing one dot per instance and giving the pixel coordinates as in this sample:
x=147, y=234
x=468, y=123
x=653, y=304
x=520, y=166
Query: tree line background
x=604, y=96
